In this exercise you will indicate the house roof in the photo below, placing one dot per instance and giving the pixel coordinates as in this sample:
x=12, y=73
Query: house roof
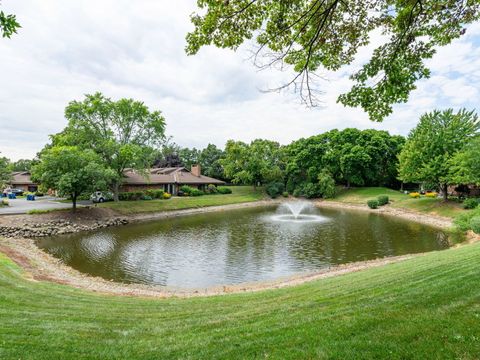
x=21, y=178
x=173, y=175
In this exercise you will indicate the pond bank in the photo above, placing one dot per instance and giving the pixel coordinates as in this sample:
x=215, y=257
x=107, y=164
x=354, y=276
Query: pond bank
x=41, y=266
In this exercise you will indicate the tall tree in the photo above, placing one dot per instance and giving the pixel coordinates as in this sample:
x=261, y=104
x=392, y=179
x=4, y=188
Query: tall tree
x=72, y=171
x=189, y=156
x=210, y=161
x=465, y=165
x=327, y=34
x=5, y=173
x=430, y=147
x=22, y=165
x=123, y=133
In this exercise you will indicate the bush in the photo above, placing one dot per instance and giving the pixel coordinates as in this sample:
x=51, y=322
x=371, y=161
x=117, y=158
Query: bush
x=274, y=189
x=383, y=200
x=196, y=192
x=431, y=194
x=4, y=202
x=470, y=203
x=414, y=195
x=311, y=191
x=186, y=189
x=475, y=224
x=147, y=197
x=167, y=196
x=297, y=192
x=212, y=189
x=155, y=193
x=285, y=194
x=462, y=221
x=131, y=195
x=372, y=204
x=326, y=184
x=224, y=190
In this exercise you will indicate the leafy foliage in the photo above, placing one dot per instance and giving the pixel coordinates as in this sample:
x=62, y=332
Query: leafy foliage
x=274, y=189
x=382, y=200
x=470, y=203
x=72, y=171
x=5, y=173
x=475, y=224
x=431, y=146
x=8, y=25
x=310, y=35
x=465, y=165
x=326, y=184
x=373, y=204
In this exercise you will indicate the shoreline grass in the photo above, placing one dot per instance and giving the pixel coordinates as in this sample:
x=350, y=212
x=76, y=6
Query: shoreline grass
x=240, y=194
x=423, y=308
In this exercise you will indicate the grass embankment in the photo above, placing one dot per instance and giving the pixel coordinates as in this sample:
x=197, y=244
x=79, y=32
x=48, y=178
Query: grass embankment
x=435, y=206
x=427, y=307
x=240, y=194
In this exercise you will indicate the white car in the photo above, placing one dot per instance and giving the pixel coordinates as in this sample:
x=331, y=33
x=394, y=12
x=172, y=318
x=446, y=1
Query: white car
x=100, y=197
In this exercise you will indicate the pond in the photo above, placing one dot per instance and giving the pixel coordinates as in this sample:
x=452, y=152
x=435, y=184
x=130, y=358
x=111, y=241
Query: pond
x=235, y=246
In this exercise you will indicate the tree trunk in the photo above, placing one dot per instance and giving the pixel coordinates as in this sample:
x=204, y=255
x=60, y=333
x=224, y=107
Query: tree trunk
x=74, y=202
x=444, y=189
x=401, y=187
x=348, y=184
x=116, y=190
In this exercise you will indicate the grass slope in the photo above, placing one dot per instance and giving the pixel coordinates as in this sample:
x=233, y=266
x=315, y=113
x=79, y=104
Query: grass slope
x=399, y=200
x=240, y=194
x=424, y=308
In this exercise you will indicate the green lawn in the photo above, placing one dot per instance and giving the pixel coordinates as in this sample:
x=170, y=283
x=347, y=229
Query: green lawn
x=240, y=194
x=400, y=200
x=424, y=308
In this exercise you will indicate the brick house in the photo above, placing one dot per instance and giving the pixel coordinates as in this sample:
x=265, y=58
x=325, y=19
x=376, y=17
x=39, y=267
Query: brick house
x=22, y=180
x=168, y=179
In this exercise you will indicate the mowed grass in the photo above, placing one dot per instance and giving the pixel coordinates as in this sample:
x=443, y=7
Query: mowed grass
x=427, y=307
x=435, y=206
x=240, y=194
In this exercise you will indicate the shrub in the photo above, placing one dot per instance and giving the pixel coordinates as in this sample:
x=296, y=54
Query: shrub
x=372, y=204
x=285, y=194
x=470, y=203
x=311, y=191
x=297, y=192
x=475, y=224
x=5, y=202
x=167, y=196
x=196, y=192
x=147, y=197
x=326, y=184
x=131, y=195
x=414, y=195
x=186, y=189
x=383, y=200
x=212, y=189
x=274, y=189
x=431, y=194
x=155, y=193
x=224, y=190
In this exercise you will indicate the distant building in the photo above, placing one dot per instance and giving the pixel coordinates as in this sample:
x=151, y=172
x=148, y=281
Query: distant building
x=22, y=180
x=167, y=179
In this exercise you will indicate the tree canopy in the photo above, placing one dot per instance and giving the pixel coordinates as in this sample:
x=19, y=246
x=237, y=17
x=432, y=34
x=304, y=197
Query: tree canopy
x=465, y=165
x=123, y=133
x=5, y=173
x=72, y=171
x=431, y=146
x=312, y=35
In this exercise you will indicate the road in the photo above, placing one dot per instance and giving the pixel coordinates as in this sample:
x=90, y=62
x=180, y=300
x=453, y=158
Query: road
x=22, y=206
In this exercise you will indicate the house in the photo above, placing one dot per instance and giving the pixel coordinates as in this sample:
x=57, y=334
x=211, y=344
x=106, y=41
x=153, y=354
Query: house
x=168, y=179
x=22, y=180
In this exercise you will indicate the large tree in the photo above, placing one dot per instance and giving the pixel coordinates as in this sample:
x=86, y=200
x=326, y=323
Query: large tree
x=22, y=165
x=465, y=165
x=5, y=173
x=210, y=161
x=431, y=146
x=123, y=133
x=313, y=35
x=72, y=171
x=259, y=162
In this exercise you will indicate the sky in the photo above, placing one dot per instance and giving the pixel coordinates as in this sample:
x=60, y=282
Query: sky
x=135, y=49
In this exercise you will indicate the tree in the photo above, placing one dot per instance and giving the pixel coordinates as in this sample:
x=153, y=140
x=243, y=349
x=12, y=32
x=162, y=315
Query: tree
x=326, y=184
x=189, y=157
x=72, y=171
x=260, y=162
x=311, y=34
x=8, y=24
x=22, y=165
x=123, y=133
x=431, y=146
x=209, y=159
x=465, y=165
x=5, y=173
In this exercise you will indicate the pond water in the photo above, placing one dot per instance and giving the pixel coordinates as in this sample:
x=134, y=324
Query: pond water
x=236, y=246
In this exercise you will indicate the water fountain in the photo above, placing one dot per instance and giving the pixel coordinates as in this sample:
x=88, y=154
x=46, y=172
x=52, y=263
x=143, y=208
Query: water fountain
x=296, y=211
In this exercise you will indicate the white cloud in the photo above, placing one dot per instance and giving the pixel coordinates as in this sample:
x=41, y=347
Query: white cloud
x=136, y=49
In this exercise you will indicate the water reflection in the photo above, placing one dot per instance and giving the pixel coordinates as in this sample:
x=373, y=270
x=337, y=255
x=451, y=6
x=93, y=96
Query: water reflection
x=238, y=246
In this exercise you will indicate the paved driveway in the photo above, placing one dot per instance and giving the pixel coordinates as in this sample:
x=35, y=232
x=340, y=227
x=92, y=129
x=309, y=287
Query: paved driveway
x=22, y=206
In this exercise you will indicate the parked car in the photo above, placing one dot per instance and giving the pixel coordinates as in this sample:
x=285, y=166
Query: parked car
x=17, y=192
x=100, y=197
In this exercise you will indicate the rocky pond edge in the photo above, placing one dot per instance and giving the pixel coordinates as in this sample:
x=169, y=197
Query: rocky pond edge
x=41, y=266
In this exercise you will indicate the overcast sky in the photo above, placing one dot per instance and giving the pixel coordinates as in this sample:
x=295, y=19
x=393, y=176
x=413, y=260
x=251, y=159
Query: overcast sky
x=135, y=49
